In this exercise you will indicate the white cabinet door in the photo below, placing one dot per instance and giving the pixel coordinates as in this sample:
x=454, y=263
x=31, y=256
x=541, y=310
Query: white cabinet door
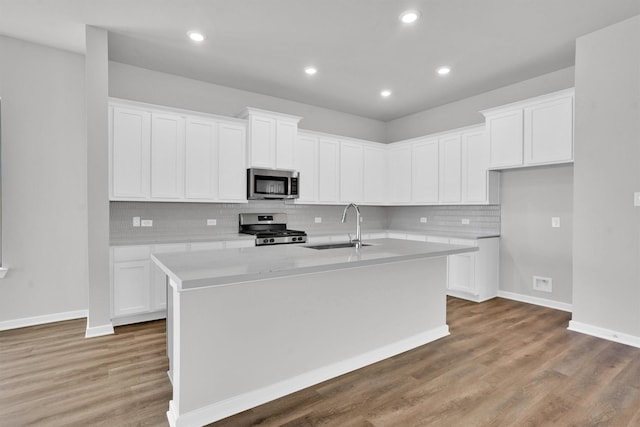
x=201, y=162
x=158, y=291
x=351, y=172
x=400, y=174
x=306, y=162
x=450, y=169
x=461, y=272
x=475, y=163
x=131, y=290
x=130, y=150
x=328, y=170
x=167, y=156
x=262, y=142
x=425, y=175
x=506, y=137
x=286, y=134
x=232, y=172
x=375, y=175
x=548, y=131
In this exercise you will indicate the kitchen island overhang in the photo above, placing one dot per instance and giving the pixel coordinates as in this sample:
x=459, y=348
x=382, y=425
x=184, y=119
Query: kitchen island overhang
x=239, y=344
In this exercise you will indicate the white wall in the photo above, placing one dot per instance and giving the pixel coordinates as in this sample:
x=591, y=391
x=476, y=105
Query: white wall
x=466, y=112
x=97, y=99
x=606, y=267
x=139, y=84
x=44, y=236
x=529, y=246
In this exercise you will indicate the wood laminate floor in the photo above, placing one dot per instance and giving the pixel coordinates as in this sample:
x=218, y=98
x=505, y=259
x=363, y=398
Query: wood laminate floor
x=505, y=364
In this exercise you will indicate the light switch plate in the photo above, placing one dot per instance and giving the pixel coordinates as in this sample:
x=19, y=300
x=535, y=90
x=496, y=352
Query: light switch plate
x=212, y=222
x=423, y=220
x=318, y=220
x=465, y=221
x=136, y=221
x=636, y=199
x=555, y=222
x=147, y=223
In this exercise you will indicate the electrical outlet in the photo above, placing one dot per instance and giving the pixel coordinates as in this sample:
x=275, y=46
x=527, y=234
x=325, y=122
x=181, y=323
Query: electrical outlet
x=317, y=220
x=361, y=218
x=465, y=221
x=136, y=221
x=542, y=284
x=636, y=199
x=555, y=222
x=423, y=220
x=147, y=223
x=212, y=222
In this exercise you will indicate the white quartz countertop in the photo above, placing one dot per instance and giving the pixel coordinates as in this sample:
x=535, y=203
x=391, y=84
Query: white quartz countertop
x=224, y=267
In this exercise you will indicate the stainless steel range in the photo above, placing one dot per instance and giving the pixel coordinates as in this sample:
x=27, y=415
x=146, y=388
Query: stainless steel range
x=270, y=229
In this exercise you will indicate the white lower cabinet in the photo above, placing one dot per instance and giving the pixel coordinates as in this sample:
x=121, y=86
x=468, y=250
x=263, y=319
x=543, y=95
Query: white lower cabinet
x=138, y=286
x=131, y=271
x=474, y=276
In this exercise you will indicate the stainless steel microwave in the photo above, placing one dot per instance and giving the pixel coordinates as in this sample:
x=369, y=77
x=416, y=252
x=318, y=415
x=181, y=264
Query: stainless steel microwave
x=272, y=184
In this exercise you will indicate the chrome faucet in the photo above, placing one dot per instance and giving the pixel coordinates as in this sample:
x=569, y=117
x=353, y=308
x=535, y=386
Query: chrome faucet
x=357, y=242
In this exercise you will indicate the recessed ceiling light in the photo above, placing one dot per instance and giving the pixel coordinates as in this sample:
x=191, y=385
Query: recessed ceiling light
x=385, y=93
x=310, y=70
x=195, y=36
x=409, y=16
x=443, y=71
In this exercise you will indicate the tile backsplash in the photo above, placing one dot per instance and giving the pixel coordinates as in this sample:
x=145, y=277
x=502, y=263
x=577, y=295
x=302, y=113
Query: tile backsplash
x=188, y=221
x=482, y=219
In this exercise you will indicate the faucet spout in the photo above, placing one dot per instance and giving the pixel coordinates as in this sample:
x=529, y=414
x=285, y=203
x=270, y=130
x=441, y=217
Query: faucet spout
x=358, y=240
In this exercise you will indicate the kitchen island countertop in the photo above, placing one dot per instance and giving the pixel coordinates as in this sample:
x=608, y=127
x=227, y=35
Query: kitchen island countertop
x=223, y=267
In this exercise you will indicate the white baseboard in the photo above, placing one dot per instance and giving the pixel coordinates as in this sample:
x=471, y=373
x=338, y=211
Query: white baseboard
x=98, y=331
x=234, y=405
x=40, y=320
x=3, y=272
x=563, y=306
x=603, y=333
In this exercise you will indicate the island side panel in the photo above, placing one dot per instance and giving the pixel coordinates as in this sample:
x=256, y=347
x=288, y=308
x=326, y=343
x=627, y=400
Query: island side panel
x=243, y=344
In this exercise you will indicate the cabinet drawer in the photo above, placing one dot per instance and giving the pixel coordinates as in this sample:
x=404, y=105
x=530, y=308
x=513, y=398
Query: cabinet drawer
x=170, y=247
x=206, y=246
x=437, y=239
x=463, y=242
x=131, y=253
x=240, y=243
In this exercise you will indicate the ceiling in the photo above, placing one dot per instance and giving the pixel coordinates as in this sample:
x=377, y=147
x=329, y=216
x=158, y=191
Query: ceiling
x=359, y=47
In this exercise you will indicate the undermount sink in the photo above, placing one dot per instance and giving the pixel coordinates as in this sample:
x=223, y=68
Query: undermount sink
x=335, y=246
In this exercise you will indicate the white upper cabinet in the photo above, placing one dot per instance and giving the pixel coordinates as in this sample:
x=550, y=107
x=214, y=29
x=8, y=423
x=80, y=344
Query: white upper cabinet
x=129, y=154
x=450, y=169
x=201, y=160
x=328, y=170
x=479, y=185
x=536, y=131
x=400, y=173
x=232, y=170
x=351, y=172
x=375, y=174
x=505, y=137
x=425, y=160
x=157, y=154
x=272, y=138
x=548, y=131
x=306, y=162
x=286, y=136
x=167, y=156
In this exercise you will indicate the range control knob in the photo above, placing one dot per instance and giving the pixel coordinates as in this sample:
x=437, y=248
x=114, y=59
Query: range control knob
x=265, y=241
x=271, y=240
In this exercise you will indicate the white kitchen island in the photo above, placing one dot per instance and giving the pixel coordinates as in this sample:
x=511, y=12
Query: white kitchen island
x=246, y=326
